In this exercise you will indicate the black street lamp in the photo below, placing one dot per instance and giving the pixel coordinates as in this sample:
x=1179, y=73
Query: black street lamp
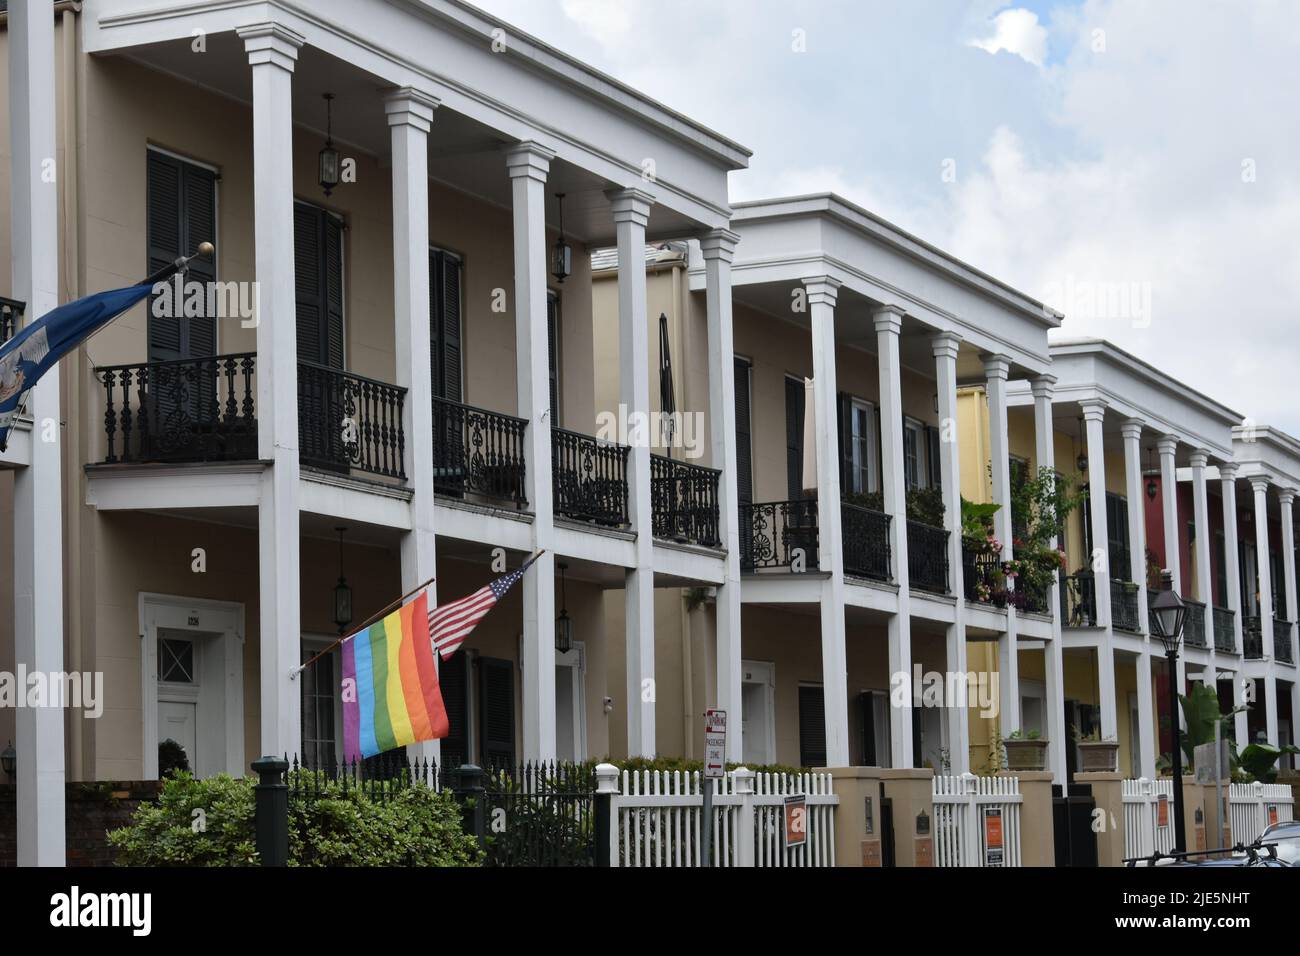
x=1167, y=614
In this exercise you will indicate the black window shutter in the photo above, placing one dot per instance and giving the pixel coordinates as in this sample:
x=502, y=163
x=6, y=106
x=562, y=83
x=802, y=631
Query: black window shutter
x=497, y=702
x=812, y=727
x=332, y=233
x=936, y=469
x=867, y=713
x=553, y=352
x=794, y=437
x=744, y=463
x=164, y=237
x=880, y=454
x=844, y=423
x=453, y=681
x=182, y=212
x=1117, y=535
x=445, y=324
x=309, y=294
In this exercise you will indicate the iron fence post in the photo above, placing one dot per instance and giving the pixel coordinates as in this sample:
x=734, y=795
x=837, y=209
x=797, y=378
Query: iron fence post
x=606, y=788
x=468, y=787
x=271, y=820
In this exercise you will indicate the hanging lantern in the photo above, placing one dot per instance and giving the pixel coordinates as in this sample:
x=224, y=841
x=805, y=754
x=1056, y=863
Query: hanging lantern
x=342, y=593
x=562, y=253
x=328, y=165
x=563, y=623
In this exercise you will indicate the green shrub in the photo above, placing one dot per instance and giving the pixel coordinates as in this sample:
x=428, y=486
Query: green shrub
x=414, y=826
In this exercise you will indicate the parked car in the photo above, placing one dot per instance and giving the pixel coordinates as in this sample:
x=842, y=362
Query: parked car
x=1259, y=853
x=1287, y=837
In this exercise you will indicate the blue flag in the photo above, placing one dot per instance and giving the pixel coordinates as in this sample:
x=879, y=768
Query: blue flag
x=34, y=350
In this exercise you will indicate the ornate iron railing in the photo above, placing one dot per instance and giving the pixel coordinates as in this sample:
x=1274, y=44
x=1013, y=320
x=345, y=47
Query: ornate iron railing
x=927, y=557
x=348, y=421
x=1194, y=624
x=181, y=411
x=478, y=452
x=11, y=317
x=779, y=534
x=1252, y=639
x=865, y=537
x=1036, y=599
x=1124, y=606
x=982, y=573
x=1282, y=646
x=684, y=501
x=1225, y=637
x=1078, y=600
x=589, y=478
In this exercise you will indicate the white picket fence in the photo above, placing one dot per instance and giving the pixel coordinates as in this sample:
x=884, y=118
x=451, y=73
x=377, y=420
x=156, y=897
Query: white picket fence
x=1253, y=806
x=656, y=818
x=1143, y=832
x=965, y=810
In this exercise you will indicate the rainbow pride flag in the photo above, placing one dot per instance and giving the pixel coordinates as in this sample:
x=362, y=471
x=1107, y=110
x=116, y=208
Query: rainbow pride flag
x=394, y=698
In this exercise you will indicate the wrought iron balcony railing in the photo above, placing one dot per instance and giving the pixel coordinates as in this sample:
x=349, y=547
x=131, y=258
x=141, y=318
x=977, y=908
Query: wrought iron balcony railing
x=1225, y=637
x=1283, y=646
x=684, y=501
x=778, y=534
x=589, y=478
x=865, y=536
x=1194, y=624
x=190, y=410
x=1252, y=638
x=982, y=574
x=1036, y=599
x=927, y=557
x=1078, y=600
x=478, y=452
x=1124, y=606
x=11, y=317
x=347, y=421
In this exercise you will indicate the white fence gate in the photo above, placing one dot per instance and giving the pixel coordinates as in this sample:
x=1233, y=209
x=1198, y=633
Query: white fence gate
x=1144, y=833
x=656, y=818
x=1255, y=805
x=977, y=821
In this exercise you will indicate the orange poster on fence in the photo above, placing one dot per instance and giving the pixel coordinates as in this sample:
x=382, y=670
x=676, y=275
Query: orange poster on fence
x=1272, y=814
x=1162, y=811
x=993, y=836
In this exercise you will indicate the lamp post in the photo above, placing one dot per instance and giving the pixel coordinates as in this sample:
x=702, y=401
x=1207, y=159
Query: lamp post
x=1167, y=615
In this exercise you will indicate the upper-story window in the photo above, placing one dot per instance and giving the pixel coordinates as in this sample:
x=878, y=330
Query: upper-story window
x=743, y=373
x=859, y=446
x=553, y=351
x=181, y=204
x=318, y=284
x=445, y=269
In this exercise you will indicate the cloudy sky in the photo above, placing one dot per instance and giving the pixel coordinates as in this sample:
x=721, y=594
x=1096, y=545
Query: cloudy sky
x=1134, y=164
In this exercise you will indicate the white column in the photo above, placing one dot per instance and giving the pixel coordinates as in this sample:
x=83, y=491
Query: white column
x=272, y=51
x=1264, y=574
x=1285, y=497
x=1167, y=445
x=1131, y=429
x=1043, y=388
x=1228, y=487
x=410, y=116
x=631, y=212
x=529, y=164
x=889, y=323
x=1204, y=587
x=996, y=368
x=718, y=247
x=38, y=489
x=1094, y=414
x=945, y=347
x=835, y=690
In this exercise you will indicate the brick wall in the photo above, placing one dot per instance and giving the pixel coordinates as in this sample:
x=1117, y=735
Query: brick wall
x=92, y=810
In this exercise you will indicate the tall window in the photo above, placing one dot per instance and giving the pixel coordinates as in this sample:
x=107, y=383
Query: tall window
x=181, y=203
x=318, y=284
x=445, y=324
x=812, y=726
x=553, y=351
x=743, y=372
x=1117, y=540
x=1220, y=569
x=1018, y=469
x=794, y=437
x=319, y=727
x=913, y=454
x=862, y=419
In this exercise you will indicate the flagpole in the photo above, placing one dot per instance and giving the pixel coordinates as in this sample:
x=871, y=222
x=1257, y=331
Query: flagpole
x=360, y=627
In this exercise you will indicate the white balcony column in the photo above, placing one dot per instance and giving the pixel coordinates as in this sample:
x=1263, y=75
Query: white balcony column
x=1167, y=446
x=889, y=323
x=272, y=52
x=718, y=246
x=945, y=347
x=631, y=213
x=410, y=117
x=1204, y=578
x=996, y=369
x=1264, y=577
x=1286, y=498
x=1094, y=415
x=1043, y=388
x=1131, y=430
x=1228, y=488
x=38, y=488
x=528, y=165
x=822, y=292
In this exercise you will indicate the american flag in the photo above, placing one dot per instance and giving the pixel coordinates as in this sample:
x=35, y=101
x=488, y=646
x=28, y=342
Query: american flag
x=450, y=624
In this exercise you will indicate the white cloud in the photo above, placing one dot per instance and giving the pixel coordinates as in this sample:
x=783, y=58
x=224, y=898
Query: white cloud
x=1016, y=31
x=605, y=22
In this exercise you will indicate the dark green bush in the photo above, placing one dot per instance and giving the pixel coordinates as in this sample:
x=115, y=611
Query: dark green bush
x=414, y=826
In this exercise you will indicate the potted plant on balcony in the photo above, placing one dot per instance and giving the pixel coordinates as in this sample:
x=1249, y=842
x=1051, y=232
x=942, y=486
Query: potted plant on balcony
x=1025, y=750
x=1097, y=754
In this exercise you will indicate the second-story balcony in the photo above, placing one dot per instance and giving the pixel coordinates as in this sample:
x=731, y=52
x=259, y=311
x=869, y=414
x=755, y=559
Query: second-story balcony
x=1283, y=640
x=1194, y=624
x=684, y=501
x=203, y=410
x=1283, y=643
x=927, y=557
x=779, y=534
x=1225, y=638
x=982, y=575
x=865, y=533
x=478, y=454
x=589, y=480
x=1124, y=606
x=1078, y=600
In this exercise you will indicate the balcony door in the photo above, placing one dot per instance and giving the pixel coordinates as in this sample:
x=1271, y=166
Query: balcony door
x=326, y=411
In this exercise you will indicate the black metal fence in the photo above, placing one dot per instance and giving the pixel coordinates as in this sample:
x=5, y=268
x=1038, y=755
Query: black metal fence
x=1225, y=637
x=539, y=814
x=1252, y=639
x=1078, y=600
x=348, y=421
x=478, y=452
x=1194, y=624
x=1124, y=606
x=927, y=557
x=589, y=478
x=1282, y=645
x=865, y=535
x=684, y=501
x=777, y=534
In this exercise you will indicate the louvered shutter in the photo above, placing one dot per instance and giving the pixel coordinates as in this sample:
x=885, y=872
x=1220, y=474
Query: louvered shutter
x=332, y=289
x=451, y=327
x=844, y=423
x=453, y=681
x=309, y=295
x=497, y=706
x=933, y=454
x=163, y=199
x=553, y=353
x=794, y=402
x=744, y=462
x=812, y=727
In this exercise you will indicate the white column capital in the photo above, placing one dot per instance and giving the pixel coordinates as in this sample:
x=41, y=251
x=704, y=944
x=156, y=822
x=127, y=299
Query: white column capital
x=997, y=366
x=630, y=205
x=1167, y=444
x=1259, y=484
x=1286, y=496
x=1200, y=458
x=945, y=344
x=1093, y=409
x=529, y=160
x=271, y=43
x=407, y=106
x=1131, y=428
x=888, y=318
x=1043, y=386
x=719, y=244
x=822, y=290
x=1228, y=471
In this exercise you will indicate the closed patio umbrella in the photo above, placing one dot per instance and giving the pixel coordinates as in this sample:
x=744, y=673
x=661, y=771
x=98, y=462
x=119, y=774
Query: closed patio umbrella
x=667, y=401
x=809, y=439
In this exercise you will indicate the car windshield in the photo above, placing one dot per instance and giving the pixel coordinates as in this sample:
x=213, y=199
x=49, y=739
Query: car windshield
x=1288, y=846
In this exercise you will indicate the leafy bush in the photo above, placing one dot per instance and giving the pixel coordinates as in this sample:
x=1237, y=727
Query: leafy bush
x=414, y=826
